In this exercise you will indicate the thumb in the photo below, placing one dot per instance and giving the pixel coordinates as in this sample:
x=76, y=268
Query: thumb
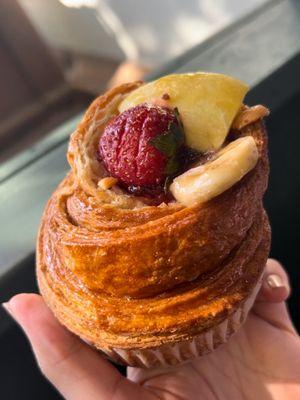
x=74, y=368
x=275, y=290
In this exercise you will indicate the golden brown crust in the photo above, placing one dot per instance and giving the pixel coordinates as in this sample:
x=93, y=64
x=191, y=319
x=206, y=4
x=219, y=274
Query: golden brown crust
x=121, y=273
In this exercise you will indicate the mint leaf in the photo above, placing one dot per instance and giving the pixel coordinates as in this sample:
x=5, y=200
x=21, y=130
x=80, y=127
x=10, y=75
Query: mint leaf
x=172, y=166
x=165, y=143
x=169, y=143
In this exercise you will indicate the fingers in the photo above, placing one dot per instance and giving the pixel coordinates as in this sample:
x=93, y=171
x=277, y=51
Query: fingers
x=275, y=286
x=74, y=368
x=270, y=303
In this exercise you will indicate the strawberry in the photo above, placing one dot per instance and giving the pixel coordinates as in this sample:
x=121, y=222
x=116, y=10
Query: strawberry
x=139, y=147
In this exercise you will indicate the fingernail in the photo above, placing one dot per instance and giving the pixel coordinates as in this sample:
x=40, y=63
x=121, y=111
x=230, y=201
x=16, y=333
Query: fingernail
x=275, y=281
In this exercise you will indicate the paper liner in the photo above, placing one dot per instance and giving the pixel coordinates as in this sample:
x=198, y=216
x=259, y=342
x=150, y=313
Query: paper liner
x=171, y=354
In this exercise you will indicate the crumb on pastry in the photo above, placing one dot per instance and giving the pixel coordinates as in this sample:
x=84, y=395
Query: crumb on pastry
x=107, y=183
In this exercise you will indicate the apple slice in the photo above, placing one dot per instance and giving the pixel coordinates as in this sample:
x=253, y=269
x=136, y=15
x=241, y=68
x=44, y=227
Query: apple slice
x=207, y=104
x=228, y=166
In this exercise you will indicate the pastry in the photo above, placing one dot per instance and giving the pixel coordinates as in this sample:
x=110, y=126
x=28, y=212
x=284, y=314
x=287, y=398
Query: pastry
x=153, y=246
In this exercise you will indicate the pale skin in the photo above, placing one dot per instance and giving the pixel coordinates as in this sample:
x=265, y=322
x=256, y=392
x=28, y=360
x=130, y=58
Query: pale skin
x=262, y=361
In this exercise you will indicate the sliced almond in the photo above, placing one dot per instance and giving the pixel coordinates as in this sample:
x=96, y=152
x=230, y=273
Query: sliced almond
x=230, y=164
x=248, y=115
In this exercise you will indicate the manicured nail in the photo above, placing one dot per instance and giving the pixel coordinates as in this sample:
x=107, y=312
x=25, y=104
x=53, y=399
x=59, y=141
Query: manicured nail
x=275, y=281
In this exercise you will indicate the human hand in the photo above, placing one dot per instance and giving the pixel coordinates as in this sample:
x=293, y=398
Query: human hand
x=262, y=361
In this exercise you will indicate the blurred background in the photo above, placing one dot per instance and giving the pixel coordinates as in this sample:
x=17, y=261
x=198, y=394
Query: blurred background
x=57, y=55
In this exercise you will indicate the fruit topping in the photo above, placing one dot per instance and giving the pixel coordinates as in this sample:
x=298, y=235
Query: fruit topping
x=207, y=103
x=141, y=147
